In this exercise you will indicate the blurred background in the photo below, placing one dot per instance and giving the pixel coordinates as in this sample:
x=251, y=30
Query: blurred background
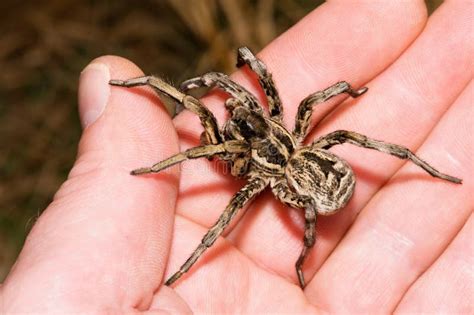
x=45, y=45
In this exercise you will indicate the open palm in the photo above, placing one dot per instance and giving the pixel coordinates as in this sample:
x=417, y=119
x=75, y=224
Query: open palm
x=404, y=242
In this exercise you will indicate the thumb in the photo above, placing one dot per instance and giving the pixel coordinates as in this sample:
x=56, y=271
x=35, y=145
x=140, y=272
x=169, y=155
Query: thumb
x=103, y=242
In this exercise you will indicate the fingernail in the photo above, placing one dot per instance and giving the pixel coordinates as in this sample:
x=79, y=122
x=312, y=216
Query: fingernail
x=93, y=93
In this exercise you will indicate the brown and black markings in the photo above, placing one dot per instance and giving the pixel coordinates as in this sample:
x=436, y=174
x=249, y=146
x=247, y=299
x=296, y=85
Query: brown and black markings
x=260, y=148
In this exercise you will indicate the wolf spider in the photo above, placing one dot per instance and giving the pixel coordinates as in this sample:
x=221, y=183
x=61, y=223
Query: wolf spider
x=259, y=147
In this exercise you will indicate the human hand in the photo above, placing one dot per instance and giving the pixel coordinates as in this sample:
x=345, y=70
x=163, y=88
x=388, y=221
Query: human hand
x=108, y=241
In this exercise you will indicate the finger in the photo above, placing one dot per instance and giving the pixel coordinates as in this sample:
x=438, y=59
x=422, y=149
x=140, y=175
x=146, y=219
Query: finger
x=315, y=53
x=166, y=301
x=224, y=281
x=447, y=287
x=103, y=242
x=395, y=110
x=405, y=227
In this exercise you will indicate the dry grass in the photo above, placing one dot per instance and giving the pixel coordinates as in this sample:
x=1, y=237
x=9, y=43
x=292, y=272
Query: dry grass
x=44, y=47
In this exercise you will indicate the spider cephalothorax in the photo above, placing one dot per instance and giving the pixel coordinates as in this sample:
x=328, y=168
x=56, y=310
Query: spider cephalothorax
x=259, y=147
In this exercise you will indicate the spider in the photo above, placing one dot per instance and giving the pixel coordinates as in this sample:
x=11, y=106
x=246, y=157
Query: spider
x=258, y=146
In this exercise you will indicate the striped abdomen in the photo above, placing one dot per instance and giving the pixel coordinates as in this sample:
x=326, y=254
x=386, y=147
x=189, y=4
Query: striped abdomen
x=324, y=177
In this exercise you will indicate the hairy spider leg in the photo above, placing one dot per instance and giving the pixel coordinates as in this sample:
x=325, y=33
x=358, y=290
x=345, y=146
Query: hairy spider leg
x=308, y=240
x=232, y=147
x=208, y=121
x=245, y=56
x=238, y=201
x=342, y=136
x=223, y=82
x=305, y=109
x=282, y=191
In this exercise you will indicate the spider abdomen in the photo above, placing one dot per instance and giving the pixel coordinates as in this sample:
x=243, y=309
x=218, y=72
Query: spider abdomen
x=322, y=176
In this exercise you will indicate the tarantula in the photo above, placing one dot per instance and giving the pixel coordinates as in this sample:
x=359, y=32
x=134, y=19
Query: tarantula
x=259, y=147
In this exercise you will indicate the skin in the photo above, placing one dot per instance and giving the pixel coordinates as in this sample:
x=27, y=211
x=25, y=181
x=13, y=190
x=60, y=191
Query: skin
x=403, y=244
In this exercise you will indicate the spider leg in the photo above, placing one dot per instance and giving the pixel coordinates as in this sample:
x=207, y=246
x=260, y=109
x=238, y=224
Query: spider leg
x=245, y=56
x=222, y=81
x=305, y=109
x=232, y=146
x=342, y=136
x=239, y=200
x=283, y=192
x=208, y=120
x=309, y=240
